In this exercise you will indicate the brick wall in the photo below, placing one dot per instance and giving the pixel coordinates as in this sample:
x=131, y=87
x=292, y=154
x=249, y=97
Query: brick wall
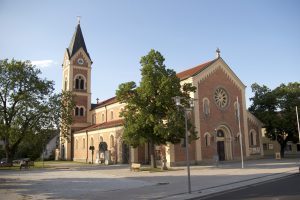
x=217, y=116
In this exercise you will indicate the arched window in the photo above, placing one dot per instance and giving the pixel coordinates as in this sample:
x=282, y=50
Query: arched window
x=76, y=144
x=83, y=143
x=94, y=119
x=112, y=141
x=238, y=135
x=103, y=117
x=206, y=108
x=92, y=141
x=111, y=114
x=252, y=137
x=81, y=111
x=77, y=111
x=101, y=139
x=79, y=82
x=220, y=133
x=207, y=139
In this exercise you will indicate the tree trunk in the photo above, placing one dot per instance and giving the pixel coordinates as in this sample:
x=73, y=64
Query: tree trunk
x=282, y=151
x=152, y=155
x=9, y=155
x=282, y=147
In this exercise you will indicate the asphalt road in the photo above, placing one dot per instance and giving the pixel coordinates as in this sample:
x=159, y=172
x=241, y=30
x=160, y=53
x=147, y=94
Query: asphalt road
x=287, y=188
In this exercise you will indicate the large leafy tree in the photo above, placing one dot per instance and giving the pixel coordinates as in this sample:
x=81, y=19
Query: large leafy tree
x=276, y=109
x=28, y=105
x=150, y=113
x=62, y=106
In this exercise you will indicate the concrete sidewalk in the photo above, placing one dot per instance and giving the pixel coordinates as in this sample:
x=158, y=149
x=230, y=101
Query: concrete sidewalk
x=118, y=182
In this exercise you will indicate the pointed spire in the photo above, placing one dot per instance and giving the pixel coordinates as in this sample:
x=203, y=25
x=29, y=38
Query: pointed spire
x=77, y=41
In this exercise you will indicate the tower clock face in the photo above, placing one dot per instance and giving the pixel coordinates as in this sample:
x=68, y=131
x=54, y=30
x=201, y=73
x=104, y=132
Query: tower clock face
x=80, y=61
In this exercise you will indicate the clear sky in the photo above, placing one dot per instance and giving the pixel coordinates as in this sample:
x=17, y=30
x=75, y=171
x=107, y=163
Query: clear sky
x=258, y=39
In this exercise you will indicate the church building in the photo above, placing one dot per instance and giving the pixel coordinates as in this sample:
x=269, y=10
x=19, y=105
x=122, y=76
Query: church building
x=219, y=115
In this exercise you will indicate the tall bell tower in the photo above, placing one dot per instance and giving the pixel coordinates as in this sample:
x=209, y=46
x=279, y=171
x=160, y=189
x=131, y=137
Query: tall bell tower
x=77, y=78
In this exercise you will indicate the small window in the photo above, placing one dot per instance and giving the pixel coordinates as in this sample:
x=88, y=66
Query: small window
x=207, y=139
x=92, y=141
x=206, y=108
x=111, y=114
x=265, y=146
x=77, y=111
x=81, y=111
x=252, y=138
x=112, y=141
x=79, y=83
x=103, y=119
x=83, y=143
x=101, y=139
x=94, y=119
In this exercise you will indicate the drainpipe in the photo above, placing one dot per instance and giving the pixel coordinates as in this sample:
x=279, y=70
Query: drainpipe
x=87, y=148
x=105, y=113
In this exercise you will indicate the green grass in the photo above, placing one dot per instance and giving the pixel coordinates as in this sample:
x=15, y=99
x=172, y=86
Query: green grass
x=41, y=164
x=10, y=168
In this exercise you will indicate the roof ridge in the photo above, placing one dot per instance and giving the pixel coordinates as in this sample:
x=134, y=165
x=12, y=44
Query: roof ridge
x=194, y=70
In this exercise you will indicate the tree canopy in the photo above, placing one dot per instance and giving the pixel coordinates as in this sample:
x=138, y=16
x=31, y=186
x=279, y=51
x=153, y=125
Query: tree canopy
x=28, y=105
x=276, y=109
x=150, y=113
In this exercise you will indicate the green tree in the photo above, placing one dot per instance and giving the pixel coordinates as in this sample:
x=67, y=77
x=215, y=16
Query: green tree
x=62, y=106
x=150, y=113
x=28, y=106
x=276, y=109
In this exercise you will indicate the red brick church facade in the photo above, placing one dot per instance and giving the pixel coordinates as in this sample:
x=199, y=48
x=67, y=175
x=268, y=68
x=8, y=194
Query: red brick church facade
x=215, y=115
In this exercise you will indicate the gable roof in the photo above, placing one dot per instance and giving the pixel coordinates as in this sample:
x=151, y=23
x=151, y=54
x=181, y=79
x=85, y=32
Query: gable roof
x=77, y=42
x=104, y=125
x=194, y=71
x=105, y=103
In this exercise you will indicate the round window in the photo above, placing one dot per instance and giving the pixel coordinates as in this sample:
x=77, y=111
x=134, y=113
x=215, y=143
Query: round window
x=221, y=97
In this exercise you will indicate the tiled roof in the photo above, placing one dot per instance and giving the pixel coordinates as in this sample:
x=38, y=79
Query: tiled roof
x=193, y=71
x=104, y=125
x=182, y=75
x=105, y=103
x=77, y=42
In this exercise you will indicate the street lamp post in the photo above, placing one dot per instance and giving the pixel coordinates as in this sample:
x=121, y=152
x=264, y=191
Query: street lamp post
x=298, y=122
x=178, y=104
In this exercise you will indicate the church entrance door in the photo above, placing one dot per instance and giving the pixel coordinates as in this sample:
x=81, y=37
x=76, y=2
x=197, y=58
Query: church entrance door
x=221, y=150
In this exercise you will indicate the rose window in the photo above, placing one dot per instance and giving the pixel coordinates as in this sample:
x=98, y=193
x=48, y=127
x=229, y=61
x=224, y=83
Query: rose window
x=221, y=97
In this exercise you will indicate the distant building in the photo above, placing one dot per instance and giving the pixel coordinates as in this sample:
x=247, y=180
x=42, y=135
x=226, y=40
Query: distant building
x=271, y=147
x=215, y=115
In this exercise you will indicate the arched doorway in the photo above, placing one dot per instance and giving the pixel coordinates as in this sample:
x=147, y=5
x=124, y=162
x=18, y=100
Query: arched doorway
x=220, y=145
x=224, y=143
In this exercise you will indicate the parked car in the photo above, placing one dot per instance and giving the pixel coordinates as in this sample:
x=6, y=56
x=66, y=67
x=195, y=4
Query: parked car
x=3, y=162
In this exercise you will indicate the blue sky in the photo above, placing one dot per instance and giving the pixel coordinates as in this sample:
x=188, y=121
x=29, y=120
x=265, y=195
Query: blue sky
x=259, y=39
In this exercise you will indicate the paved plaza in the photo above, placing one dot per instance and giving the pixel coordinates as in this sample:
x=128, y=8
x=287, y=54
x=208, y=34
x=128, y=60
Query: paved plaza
x=72, y=181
